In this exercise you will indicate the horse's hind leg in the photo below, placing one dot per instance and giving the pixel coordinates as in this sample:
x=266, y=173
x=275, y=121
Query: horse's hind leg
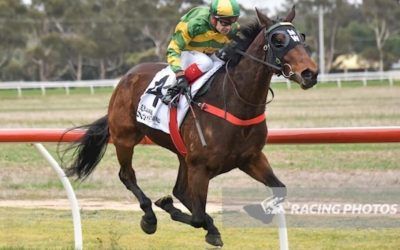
x=128, y=177
x=181, y=192
x=125, y=135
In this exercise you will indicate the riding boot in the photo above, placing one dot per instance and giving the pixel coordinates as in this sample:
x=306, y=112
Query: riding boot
x=171, y=93
x=180, y=85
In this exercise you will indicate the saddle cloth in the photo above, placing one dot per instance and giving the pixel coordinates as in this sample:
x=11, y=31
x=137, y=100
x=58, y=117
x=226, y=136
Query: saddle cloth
x=153, y=112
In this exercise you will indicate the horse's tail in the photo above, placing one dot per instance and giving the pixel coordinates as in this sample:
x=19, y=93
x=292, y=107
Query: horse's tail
x=89, y=150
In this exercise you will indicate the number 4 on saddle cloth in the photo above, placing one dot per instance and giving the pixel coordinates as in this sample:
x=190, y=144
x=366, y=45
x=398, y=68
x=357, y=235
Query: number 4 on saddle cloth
x=153, y=112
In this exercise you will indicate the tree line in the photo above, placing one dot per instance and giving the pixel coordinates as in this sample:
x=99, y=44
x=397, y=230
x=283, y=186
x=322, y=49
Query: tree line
x=97, y=39
x=370, y=29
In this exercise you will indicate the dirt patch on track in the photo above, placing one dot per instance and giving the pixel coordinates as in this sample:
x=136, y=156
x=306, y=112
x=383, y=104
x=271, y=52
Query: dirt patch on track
x=90, y=205
x=292, y=178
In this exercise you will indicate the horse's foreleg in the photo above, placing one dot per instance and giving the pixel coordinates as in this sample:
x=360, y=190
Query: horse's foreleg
x=182, y=192
x=260, y=169
x=198, y=181
x=166, y=203
x=213, y=236
x=128, y=177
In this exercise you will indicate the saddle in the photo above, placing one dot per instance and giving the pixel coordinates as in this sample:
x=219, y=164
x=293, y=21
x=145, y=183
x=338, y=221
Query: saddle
x=154, y=113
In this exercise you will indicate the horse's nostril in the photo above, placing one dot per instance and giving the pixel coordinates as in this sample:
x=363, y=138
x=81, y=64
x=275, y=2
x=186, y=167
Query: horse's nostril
x=307, y=74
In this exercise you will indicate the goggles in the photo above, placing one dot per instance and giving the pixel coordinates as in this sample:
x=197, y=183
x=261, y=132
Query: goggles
x=226, y=21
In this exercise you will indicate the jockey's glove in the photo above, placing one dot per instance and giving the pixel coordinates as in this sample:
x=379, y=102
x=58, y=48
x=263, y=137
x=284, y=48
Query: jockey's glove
x=182, y=83
x=227, y=52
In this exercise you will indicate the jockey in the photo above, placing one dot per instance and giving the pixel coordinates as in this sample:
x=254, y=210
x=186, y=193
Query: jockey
x=200, y=32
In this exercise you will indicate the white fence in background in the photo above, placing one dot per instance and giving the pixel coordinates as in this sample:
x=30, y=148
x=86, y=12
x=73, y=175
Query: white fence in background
x=387, y=77
x=67, y=85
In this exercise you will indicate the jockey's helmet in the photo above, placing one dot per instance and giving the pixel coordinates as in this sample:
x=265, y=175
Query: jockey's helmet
x=225, y=8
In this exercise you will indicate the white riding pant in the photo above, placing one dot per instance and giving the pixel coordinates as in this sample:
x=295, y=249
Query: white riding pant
x=203, y=61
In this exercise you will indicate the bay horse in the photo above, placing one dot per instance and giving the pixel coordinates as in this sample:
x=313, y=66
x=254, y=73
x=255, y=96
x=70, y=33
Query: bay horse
x=265, y=47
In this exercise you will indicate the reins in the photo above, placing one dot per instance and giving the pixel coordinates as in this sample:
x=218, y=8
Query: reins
x=242, y=53
x=227, y=75
x=273, y=66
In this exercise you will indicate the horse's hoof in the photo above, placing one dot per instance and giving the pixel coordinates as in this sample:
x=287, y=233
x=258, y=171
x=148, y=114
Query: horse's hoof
x=214, y=239
x=162, y=202
x=147, y=227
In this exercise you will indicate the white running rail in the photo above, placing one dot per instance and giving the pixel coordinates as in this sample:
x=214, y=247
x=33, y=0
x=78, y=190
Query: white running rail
x=389, y=77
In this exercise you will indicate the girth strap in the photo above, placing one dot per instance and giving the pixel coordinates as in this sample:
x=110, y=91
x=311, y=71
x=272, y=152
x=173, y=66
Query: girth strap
x=174, y=131
x=229, y=117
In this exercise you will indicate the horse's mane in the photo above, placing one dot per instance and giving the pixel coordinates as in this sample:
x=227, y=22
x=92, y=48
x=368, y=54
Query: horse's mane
x=242, y=41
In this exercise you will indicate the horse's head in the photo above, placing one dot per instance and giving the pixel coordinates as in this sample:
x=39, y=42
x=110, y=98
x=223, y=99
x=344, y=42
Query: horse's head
x=285, y=48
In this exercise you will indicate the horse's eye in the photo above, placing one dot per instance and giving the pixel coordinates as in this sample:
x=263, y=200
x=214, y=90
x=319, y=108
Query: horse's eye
x=279, y=41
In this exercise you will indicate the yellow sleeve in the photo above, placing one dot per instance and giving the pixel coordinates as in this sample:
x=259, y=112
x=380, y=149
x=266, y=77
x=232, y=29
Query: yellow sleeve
x=179, y=41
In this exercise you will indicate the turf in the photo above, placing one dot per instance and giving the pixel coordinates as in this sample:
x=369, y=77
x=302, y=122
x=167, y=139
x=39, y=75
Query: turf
x=52, y=229
x=25, y=175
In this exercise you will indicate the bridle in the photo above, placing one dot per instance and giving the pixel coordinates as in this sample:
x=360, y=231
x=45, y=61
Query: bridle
x=274, y=50
x=228, y=76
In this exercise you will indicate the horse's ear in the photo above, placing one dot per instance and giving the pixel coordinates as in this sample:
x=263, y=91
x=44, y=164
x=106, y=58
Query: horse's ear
x=263, y=20
x=289, y=18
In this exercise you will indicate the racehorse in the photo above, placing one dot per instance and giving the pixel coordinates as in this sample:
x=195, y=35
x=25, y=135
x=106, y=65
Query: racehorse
x=265, y=48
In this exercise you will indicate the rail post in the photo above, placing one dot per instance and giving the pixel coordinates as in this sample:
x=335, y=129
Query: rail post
x=283, y=235
x=76, y=217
